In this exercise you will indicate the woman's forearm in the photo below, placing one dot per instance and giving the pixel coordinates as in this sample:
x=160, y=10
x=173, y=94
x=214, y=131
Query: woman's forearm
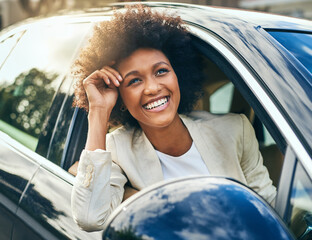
x=98, y=126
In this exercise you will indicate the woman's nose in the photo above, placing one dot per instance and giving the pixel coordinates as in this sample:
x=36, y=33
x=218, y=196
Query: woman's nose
x=151, y=86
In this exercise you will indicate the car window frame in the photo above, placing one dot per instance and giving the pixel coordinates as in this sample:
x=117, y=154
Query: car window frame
x=229, y=69
x=40, y=156
x=262, y=103
x=75, y=140
x=282, y=203
x=206, y=40
x=43, y=139
x=237, y=78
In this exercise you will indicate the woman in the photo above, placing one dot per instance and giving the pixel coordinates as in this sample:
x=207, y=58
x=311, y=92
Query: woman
x=148, y=76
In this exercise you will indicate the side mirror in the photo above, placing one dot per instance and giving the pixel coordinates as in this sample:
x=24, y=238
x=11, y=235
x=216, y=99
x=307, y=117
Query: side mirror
x=196, y=208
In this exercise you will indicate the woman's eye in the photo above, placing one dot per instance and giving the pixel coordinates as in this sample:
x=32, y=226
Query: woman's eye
x=161, y=71
x=135, y=80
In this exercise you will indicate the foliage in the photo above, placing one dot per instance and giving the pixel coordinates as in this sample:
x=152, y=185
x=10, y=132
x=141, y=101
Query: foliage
x=125, y=234
x=25, y=103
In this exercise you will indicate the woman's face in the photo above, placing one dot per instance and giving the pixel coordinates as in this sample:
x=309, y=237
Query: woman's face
x=150, y=89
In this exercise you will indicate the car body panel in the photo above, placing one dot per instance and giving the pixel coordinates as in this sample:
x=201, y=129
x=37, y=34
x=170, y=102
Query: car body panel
x=49, y=209
x=29, y=199
x=15, y=173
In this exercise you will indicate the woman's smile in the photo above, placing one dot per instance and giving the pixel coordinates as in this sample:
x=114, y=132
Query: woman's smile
x=150, y=89
x=157, y=105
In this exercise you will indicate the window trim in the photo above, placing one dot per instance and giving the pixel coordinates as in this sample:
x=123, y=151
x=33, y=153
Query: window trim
x=285, y=184
x=77, y=133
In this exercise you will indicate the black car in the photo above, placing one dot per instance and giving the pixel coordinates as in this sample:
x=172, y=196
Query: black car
x=257, y=64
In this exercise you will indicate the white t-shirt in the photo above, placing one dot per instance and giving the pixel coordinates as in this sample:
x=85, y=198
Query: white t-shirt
x=188, y=164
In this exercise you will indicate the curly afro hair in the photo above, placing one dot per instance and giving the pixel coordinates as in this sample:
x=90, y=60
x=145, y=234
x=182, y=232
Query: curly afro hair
x=140, y=27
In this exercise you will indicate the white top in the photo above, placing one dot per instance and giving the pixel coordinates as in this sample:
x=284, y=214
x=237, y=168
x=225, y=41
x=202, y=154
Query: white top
x=188, y=164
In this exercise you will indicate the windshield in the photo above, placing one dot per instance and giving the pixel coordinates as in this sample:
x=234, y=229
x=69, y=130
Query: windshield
x=299, y=44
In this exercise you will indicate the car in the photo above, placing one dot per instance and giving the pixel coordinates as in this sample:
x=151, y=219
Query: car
x=257, y=64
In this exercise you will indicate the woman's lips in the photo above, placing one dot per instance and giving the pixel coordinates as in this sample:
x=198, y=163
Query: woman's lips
x=158, y=104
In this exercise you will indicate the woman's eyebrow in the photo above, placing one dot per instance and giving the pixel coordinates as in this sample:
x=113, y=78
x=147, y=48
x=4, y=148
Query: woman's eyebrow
x=137, y=72
x=159, y=63
x=130, y=73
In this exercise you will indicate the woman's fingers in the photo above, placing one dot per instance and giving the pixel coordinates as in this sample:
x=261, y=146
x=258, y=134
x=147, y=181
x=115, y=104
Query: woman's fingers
x=112, y=74
x=102, y=75
x=111, y=77
x=107, y=77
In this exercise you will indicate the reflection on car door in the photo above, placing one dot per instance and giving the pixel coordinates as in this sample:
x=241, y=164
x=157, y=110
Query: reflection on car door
x=16, y=170
x=45, y=210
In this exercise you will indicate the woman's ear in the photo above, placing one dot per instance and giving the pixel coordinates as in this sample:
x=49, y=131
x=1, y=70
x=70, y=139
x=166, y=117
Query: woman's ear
x=123, y=108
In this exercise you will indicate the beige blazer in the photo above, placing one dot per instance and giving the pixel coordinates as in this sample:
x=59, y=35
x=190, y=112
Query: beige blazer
x=226, y=143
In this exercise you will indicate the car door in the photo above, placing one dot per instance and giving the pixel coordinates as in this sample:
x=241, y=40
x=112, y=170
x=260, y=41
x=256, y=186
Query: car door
x=34, y=85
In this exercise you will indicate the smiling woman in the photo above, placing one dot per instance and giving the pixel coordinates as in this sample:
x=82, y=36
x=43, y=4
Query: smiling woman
x=142, y=29
x=141, y=71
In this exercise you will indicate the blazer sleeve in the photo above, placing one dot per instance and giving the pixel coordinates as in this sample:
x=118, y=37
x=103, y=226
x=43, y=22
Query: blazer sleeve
x=98, y=189
x=256, y=174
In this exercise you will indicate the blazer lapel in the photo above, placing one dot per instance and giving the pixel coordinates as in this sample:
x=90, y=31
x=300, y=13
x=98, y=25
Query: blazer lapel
x=149, y=165
x=206, y=148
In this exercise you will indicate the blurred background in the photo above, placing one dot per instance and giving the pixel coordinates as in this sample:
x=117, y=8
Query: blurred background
x=12, y=11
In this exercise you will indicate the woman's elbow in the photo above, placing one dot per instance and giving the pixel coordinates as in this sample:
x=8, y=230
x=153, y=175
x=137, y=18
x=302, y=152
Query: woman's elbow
x=90, y=222
x=88, y=218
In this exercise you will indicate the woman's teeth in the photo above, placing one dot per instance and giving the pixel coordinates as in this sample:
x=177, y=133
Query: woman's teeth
x=156, y=103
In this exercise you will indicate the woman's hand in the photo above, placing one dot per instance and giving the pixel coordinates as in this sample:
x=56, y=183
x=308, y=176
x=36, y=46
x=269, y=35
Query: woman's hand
x=101, y=88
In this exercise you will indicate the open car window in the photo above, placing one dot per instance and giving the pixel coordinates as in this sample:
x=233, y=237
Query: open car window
x=226, y=92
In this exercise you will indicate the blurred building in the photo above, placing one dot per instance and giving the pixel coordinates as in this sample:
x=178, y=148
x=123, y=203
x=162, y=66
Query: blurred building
x=294, y=8
x=11, y=12
x=225, y=3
